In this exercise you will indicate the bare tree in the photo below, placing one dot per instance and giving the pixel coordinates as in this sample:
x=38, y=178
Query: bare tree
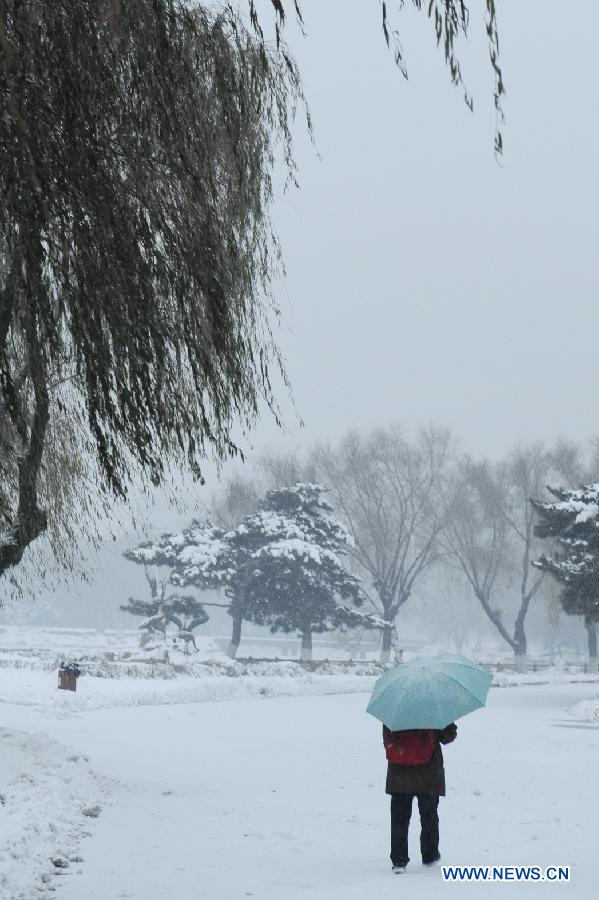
x=492, y=539
x=569, y=465
x=238, y=497
x=280, y=469
x=523, y=475
x=392, y=494
x=477, y=538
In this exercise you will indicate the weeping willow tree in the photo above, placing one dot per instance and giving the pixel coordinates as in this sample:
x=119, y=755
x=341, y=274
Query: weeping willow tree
x=137, y=143
x=136, y=256
x=450, y=20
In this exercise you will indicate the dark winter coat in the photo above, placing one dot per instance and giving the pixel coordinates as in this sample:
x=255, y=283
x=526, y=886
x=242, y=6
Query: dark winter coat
x=426, y=779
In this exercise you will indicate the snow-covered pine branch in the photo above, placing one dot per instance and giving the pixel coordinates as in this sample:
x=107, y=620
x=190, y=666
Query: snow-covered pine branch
x=186, y=554
x=293, y=578
x=572, y=522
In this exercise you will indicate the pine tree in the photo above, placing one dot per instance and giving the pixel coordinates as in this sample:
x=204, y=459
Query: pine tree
x=184, y=553
x=572, y=521
x=232, y=563
x=282, y=567
x=185, y=612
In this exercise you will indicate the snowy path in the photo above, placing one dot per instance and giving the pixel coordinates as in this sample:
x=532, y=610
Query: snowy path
x=283, y=798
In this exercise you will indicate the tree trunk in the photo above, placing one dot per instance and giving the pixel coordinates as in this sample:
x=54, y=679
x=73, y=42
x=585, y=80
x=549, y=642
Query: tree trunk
x=520, y=657
x=7, y=304
x=591, y=628
x=306, y=651
x=235, y=636
x=397, y=651
x=390, y=645
x=386, y=645
x=495, y=616
x=30, y=521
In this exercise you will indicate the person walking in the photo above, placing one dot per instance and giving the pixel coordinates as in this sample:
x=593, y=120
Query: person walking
x=418, y=703
x=415, y=769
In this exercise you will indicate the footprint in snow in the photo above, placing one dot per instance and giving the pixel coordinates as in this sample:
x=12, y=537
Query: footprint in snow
x=92, y=812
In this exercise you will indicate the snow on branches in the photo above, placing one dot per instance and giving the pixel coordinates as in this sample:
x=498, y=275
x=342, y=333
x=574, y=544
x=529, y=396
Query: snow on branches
x=572, y=521
x=281, y=566
x=286, y=567
x=187, y=555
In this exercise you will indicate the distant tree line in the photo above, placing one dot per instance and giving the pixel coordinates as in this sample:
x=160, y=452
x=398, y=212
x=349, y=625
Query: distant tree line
x=402, y=507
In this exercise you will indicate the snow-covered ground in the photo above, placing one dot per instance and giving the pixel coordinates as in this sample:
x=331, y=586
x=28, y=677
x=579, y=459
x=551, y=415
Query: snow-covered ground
x=282, y=797
x=38, y=689
x=48, y=796
x=229, y=680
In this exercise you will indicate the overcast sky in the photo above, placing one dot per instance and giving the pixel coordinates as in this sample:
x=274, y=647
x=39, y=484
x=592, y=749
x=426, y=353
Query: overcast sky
x=425, y=282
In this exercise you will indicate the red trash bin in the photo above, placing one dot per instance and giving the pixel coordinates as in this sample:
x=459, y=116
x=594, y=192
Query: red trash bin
x=67, y=677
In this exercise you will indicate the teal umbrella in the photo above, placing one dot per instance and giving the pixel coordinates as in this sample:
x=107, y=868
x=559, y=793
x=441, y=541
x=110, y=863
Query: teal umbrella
x=429, y=692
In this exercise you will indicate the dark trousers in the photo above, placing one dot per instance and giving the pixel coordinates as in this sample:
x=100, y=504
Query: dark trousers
x=401, y=810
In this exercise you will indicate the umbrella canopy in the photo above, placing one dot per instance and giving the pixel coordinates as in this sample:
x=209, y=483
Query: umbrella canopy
x=429, y=692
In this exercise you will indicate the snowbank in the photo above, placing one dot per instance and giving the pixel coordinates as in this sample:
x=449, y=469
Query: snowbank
x=586, y=710
x=49, y=797
x=215, y=682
